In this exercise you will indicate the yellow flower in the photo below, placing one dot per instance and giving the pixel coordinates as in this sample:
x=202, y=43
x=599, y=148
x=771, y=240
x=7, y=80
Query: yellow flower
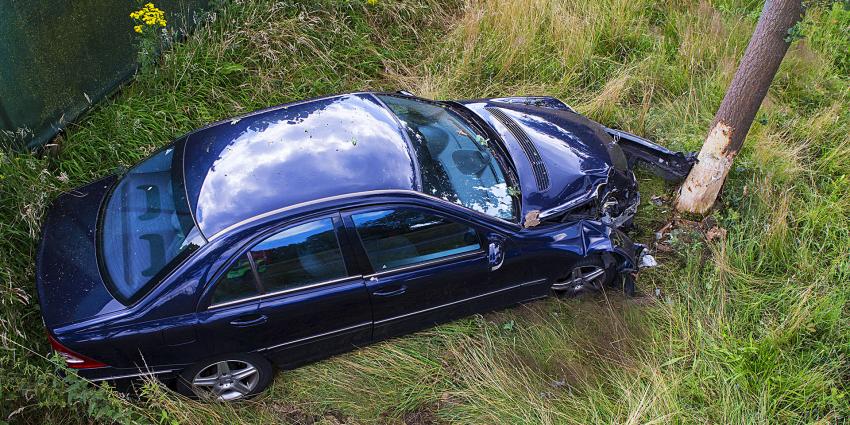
x=148, y=15
x=371, y=2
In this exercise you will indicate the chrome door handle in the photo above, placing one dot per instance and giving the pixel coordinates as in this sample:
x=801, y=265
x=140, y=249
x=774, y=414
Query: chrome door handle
x=390, y=293
x=252, y=320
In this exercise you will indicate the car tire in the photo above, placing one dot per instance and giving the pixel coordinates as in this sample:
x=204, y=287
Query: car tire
x=226, y=378
x=587, y=274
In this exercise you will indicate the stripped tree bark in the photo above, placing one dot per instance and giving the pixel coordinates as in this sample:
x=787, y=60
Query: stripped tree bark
x=749, y=86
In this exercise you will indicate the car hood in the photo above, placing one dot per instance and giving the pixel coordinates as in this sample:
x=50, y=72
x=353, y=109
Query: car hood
x=561, y=157
x=70, y=286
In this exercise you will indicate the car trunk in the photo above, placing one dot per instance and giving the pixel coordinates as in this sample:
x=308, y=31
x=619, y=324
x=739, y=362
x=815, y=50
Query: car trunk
x=70, y=286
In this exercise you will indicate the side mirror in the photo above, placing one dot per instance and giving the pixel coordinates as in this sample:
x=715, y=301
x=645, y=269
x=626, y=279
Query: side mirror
x=495, y=255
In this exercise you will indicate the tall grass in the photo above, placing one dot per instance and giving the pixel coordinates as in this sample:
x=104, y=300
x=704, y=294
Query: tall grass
x=750, y=327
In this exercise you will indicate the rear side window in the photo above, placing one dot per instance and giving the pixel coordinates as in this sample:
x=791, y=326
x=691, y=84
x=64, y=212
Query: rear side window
x=296, y=257
x=405, y=236
x=299, y=256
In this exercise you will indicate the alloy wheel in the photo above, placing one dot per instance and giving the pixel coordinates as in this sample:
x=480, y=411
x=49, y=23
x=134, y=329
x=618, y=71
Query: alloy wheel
x=226, y=380
x=581, y=277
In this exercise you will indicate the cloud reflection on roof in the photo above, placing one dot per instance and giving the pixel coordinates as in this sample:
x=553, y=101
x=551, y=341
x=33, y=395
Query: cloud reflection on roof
x=326, y=147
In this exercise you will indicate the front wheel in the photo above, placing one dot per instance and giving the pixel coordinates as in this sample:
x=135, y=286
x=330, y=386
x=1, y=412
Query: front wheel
x=226, y=378
x=588, y=273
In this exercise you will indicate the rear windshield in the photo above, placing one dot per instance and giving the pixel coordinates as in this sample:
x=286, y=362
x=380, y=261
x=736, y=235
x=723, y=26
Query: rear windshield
x=146, y=226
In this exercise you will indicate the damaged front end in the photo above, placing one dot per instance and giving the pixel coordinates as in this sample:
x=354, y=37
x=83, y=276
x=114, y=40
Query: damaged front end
x=614, y=200
x=573, y=171
x=669, y=165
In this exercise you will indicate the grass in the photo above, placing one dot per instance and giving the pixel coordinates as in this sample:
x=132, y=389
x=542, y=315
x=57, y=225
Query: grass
x=752, y=326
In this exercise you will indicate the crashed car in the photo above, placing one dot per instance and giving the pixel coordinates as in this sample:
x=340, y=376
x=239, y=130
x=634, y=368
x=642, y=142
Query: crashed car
x=287, y=235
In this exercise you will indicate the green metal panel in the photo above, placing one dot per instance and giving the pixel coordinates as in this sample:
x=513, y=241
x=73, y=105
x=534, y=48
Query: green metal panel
x=57, y=57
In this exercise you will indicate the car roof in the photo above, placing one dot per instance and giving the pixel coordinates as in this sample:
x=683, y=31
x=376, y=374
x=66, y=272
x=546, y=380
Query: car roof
x=237, y=169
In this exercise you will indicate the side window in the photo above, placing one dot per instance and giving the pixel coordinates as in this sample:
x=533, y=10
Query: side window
x=404, y=236
x=237, y=283
x=299, y=256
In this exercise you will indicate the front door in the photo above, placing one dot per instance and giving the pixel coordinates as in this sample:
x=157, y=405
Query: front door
x=426, y=267
x=513, y=271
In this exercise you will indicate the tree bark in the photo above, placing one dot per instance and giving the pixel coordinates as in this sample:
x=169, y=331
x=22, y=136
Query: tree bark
x=749, y=86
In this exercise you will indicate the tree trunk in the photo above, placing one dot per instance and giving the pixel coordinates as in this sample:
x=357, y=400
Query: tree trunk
x=743, y=98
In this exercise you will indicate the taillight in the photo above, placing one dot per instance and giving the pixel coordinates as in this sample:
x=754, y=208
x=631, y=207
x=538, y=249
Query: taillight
x=72, y=359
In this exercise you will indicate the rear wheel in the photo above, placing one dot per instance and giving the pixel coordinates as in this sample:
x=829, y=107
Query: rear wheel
x=226, y=378
x=589, y=273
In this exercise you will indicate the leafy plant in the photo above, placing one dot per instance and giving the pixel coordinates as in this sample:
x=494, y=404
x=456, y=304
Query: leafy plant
x=150, y=26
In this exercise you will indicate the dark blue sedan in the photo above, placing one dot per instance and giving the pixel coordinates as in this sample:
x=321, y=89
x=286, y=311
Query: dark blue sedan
x=296, y=232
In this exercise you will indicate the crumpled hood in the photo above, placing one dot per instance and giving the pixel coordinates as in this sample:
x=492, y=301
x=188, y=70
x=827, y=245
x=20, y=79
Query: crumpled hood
x=70, y=287
x=573, y=150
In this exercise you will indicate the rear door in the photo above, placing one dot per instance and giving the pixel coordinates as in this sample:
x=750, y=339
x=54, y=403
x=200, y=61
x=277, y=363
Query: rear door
x=314, y=306
x=225, y=325
x=426, y=267
x=291, y=296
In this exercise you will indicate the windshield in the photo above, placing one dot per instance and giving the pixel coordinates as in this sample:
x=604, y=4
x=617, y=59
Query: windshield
x=146, y=227
x=455, y=161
